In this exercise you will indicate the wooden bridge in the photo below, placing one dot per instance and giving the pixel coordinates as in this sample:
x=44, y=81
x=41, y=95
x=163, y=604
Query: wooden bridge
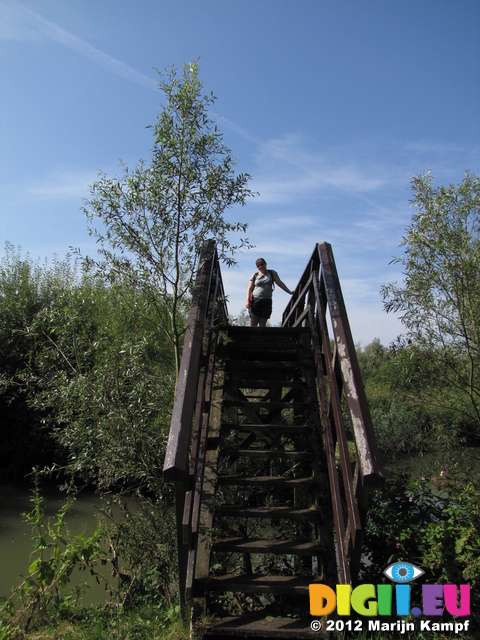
x=272, y=451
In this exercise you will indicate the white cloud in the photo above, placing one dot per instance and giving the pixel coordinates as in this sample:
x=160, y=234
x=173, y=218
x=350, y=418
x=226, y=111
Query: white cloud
x=338, y=195
x=12, y=27
x=288, y=171
x=75, y=184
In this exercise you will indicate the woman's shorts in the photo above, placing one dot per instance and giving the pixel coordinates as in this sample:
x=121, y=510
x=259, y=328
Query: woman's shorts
x=261, y=308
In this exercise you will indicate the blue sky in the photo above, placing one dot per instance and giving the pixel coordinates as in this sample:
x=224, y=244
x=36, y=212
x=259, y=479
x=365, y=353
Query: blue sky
x=330, y=105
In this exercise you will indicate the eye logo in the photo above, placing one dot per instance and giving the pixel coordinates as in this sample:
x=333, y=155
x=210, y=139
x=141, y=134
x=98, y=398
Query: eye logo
x=403, y=572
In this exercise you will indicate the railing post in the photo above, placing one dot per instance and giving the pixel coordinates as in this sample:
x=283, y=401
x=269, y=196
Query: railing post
x=365, y=440
x=176, y=457
x=201, y=318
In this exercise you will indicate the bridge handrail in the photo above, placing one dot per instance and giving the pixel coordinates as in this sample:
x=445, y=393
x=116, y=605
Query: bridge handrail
x=330, y=297
x=317, y=293
x=208, y=307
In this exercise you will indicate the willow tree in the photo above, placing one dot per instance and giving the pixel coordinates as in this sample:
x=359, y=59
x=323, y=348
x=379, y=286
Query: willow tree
x=439, y=298
x=155, y=218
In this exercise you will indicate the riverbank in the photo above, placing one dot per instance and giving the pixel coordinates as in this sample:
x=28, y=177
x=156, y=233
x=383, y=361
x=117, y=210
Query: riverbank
x=100, y=624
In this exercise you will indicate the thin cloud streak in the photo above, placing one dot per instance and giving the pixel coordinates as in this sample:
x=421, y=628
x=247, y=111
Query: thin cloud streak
x=313, y=173
x=241, y=131
x=67, y=185
x=63, y=37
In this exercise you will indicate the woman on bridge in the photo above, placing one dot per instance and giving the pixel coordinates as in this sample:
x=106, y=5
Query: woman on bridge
x=259, y=293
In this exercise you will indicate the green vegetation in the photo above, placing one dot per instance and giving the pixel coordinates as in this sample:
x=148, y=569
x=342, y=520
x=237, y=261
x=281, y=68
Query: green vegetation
x=408, y=402
x=145, y=622
x=82, y=364
x=439, y=300
x=85, y=376
x=424, y=396
x=132, y=555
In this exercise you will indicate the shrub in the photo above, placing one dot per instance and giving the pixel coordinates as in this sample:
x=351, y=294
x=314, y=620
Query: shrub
x=432, y=522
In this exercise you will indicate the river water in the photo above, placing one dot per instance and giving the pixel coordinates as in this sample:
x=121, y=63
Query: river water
x=16, y=541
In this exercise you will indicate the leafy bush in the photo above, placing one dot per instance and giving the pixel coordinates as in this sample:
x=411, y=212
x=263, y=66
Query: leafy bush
x=26, y=288
x=432, y=522
x=131, y=552
x=83, y=361
x=142, y=534
x=410, y=410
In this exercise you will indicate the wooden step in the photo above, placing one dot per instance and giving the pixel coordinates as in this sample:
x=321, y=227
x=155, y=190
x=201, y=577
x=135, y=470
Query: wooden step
x=233, y=349
x=266, y=481
x=248, y=365
x=271, y=513
x=279, y=454
x=275, y=546
x=266, y=352
x=261, y=334
x=269, y=404
x=262, y=383
x=268, y=428
x=249, y=583
x=265, y=627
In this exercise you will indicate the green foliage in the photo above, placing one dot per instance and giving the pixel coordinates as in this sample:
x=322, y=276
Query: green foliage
x=242, y=320
x=143, y=623
x=439, y=301
x=155, y=219
x=108, y=385
x=81, y=361
x=412, y=410
x=432, y=522
x=26, y=289
x=132, y=553
x=142, y=543
x=88, y=349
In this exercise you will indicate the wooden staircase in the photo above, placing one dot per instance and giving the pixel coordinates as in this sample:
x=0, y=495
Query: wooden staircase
x=266, y=532
x=272, y=452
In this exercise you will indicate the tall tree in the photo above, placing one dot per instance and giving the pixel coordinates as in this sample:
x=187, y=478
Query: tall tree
x=439, y=299
x=155, y=218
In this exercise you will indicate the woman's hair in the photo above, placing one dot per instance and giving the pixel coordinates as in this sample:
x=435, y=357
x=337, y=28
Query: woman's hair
x=260, y=260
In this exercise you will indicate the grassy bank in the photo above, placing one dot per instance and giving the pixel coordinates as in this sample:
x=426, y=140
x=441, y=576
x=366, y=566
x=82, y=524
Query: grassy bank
x=144, y=623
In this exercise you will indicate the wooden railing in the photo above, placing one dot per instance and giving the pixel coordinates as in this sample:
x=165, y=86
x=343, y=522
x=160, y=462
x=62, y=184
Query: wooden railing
x=317, y=299
x=185, y=448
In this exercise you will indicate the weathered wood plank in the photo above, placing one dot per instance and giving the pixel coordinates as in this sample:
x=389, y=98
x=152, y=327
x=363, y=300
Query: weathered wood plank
x=261, y=545
x=269, y=453
x=285, y=585
x=274, y=513
x=262, y=481
x=252, y=626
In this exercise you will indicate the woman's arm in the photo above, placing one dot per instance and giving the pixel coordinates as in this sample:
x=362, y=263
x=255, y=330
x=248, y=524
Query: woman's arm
x=281, y=284
x=251, y=284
